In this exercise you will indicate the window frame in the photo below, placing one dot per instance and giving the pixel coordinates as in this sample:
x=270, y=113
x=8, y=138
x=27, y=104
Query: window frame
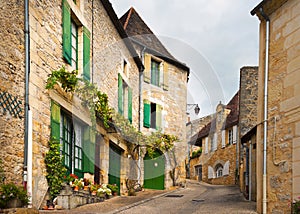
x=155, y=74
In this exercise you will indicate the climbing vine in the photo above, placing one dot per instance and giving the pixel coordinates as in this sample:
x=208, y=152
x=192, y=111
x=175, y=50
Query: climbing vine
x=55, y=168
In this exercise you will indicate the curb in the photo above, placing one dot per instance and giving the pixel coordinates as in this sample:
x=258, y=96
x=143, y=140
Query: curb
x=141, y=202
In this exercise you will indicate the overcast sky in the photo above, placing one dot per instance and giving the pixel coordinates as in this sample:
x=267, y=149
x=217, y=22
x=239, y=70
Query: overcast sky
x=215, y=38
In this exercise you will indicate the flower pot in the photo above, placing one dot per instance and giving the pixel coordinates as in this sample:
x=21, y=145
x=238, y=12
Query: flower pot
x=94, y=192
x=14, y=203
x=86, y=188
x=76, y=188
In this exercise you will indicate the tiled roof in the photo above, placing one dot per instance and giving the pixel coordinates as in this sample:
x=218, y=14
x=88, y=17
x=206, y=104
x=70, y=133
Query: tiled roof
x=113, y=16
x=231, y=120
x=140, y=33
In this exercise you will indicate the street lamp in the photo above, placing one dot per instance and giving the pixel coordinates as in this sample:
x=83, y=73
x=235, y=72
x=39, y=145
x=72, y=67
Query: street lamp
x=196, y=109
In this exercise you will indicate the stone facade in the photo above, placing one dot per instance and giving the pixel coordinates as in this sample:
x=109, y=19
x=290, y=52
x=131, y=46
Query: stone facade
x=247, y=124
x=283, y=131
x=12, y=77
x=45, y=18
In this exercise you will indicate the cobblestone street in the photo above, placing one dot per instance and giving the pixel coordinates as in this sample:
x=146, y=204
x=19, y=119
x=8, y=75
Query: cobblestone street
x=195, y=198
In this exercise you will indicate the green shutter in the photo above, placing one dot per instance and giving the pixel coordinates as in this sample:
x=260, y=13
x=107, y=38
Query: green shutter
x=120, y=94
x=55, y=121
x=158, y=116
x=130, y=104
x=86, y=149
x=147, y=114
x=86, y=53
x=92, y=152
x=67, y=44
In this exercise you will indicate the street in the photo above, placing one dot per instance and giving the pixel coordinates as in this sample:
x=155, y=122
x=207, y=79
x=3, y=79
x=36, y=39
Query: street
x=197, y=198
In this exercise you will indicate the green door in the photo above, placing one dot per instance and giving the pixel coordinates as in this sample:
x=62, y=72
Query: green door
x=114, y=165
x=154, y=169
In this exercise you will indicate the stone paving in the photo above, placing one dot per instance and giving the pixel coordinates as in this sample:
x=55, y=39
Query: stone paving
x=196, y=198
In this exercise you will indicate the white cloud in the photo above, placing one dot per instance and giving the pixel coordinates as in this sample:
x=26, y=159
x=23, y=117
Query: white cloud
x=220, y=34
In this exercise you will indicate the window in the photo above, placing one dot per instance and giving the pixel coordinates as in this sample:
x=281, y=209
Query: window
x=156, y=71
x=230, y=136
x=214, y=142
x=72, y=39
x=124, y=99
x=219, y=170
x=74, y=42
x=152, y=115
x=71, y=144
x=77, y=141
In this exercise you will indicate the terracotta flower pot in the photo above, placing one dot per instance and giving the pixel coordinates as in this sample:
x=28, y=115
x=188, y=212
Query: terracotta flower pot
x=76, y=188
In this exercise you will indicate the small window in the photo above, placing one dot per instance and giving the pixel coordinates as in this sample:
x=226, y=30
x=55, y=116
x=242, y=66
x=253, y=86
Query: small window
x=74, y=39
x=155, y=66
x=230, y=136
x=219, y=170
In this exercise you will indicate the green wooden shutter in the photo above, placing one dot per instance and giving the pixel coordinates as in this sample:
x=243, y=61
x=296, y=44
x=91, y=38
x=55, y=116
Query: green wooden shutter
x=67, y=44
x=86, y=53
x=86, y=149
x=120, y=94
x=55, y=121
x=158, y=116
x=130, y=104
x=147, y=71
x=92, y=152
x=147, y=114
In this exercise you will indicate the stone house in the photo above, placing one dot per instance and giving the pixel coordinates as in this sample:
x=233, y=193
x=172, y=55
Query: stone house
x=278, y=118
x=163, y=100
x=218, y=163
x=247, y=130
x=79, y=35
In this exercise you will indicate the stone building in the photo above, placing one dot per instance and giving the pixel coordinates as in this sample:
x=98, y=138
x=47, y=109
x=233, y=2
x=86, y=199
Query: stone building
x=79, y=35
x=278, y=121
x=218, y=139
x=247, y=130
x=164, y=94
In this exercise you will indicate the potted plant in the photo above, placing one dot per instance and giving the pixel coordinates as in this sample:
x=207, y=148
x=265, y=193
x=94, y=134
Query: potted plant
x=77, y=184
x=12, y=196
x=86, y=183
x=114, y=188
x=93, y=188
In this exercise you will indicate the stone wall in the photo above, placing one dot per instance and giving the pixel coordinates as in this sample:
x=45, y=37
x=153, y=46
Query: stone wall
x=12, y=76
x=283, y=154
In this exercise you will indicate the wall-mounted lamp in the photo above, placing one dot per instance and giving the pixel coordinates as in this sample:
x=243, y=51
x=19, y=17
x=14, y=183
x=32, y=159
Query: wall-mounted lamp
x=196, y=109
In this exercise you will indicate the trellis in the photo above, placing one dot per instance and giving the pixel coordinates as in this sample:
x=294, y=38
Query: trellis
x=11, y=104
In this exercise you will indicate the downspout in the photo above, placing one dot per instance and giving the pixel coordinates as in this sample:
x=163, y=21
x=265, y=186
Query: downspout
x=27, y=71
x=29, y=164
x=265, y=122
x=92, y=41
x=140, y=110
x=250, y=171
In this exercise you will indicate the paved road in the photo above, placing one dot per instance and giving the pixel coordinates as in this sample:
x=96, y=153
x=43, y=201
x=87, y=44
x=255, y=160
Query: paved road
x=197, y=198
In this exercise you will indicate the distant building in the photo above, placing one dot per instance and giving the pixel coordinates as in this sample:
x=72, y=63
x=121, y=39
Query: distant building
x=218, y=163
x=278, y=109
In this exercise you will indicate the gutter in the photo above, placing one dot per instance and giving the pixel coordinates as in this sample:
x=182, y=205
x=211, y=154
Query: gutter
x=265, y=121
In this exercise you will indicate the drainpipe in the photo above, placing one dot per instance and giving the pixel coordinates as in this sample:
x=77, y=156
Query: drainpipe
x=250, y=170
x=27, y=71
x=140, y=108
x=265, y=122
x=29, y=161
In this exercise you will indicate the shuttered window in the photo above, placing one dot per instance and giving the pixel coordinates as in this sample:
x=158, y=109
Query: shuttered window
x=120, y=94
x=89, y=150
x=152, y=115
x=55, y=121
x=155, y=67
x=130, y=105
x=67, y=44
x=86, y=54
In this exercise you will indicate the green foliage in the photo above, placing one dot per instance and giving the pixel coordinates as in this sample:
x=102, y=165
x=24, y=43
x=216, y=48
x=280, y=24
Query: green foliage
x=113, y=187
x=296, y=206
x=68, y=80
x=11, y=191
x=196, y=153
x=55, y=168
x=91, y=97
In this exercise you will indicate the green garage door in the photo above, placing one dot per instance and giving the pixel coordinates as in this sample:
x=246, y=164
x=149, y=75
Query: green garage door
x=114, y=165
x=154, y=169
